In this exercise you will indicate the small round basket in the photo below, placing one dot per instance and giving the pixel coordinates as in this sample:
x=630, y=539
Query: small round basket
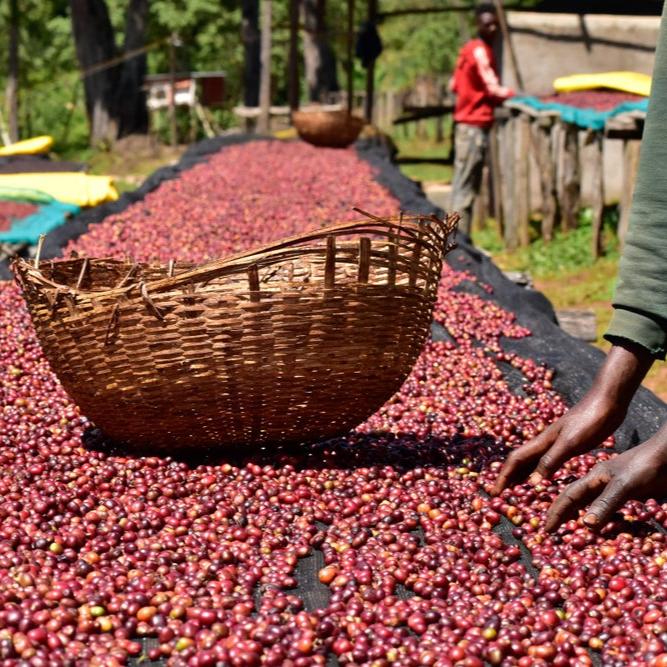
x=330, y=129
x=295, y=341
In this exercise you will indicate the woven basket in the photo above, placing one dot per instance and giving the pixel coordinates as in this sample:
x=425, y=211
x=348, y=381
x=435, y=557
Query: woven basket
x=332, y=129
x=295, y=341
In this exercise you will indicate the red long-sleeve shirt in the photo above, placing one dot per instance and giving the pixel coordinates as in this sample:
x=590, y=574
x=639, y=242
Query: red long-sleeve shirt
x=475, y=82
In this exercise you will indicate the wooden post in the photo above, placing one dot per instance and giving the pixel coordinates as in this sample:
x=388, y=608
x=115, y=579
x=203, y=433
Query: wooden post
x=381, y=111
x=294, y=87
x=439, y=121
x=264, y=123
x=350, y=59
x=482, y=205
x=370, y=72
x=543, y=154
x=12, y=89
x=439, y=129
x=388, y=106
x=508, y=157
x=630, y=165
x=391, y=107
x=173, y=137
x=598, y=194
x=193, y=120
x=420, y=124
x=558, y=148
x=507, y=39
x=568, y=187
x=521, y=183
x=494, y=174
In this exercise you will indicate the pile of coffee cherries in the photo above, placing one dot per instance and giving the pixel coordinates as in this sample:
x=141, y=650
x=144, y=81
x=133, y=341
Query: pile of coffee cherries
x=380, y=548
x=14, y=210
x=242, y=197
x=598, y=100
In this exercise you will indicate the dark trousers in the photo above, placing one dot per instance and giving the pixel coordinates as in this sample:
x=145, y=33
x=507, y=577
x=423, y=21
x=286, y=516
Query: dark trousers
x=470, y=144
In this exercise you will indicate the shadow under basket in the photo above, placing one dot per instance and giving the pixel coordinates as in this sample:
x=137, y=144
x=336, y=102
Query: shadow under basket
x=329, y=129
x=295, y=341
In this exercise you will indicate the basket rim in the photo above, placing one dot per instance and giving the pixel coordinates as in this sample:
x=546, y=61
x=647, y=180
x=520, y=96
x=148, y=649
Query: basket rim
x=332, y=113
x=420, y=227
x=329, y=112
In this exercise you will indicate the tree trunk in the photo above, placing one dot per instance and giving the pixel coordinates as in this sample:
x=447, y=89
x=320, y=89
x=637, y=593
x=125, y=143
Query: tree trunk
x=250, y=39
x=264, y=120
x=349, y=65
x=132, y=113
x=293, y=83
x=370, y=72
x=115, y=101
x=320, y=60
x=12, y=89
x=94, y=39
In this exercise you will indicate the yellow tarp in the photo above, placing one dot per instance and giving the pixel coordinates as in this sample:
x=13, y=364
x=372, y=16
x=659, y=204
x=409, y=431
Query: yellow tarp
x=628, y=82
x=69, y=187
x=289, y=133
x=33, y=146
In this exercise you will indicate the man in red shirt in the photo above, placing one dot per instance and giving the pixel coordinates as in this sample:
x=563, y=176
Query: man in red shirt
x=478, y=92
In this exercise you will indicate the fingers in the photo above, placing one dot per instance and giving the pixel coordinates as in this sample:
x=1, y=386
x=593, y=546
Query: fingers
x=609, y=501
x=561, y=451
x=520, y=463
x=576, y=496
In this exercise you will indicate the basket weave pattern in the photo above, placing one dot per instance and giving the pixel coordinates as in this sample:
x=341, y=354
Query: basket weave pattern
x=332, y=129
x=299, y=340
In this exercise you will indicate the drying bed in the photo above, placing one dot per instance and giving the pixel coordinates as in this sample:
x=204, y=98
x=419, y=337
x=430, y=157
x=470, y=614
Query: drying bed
x=379, y=548
x=12, y=210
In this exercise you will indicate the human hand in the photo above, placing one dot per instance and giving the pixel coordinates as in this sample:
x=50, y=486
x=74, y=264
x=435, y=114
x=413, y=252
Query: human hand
x=637, y=474
x=586, y=425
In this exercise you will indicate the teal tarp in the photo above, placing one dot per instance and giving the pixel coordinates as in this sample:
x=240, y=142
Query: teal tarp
x=589, y=118
x=46, y=218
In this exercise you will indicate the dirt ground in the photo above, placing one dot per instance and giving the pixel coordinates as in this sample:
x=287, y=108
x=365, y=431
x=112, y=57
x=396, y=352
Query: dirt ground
x=572, y=297
x=133, y=159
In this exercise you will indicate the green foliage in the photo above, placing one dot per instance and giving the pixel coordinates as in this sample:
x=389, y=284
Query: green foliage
x=47, y=76
x=209, y=34
x=418, y=45
x=51, y=93
x=489, y=238
x=566, y=253
x=427, y=172
x=421, y=141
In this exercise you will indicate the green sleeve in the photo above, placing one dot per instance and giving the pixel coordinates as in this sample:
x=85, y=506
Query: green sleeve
x=640, y=302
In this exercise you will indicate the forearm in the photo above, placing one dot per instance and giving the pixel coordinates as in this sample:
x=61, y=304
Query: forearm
x=495, y=92
x=621, y=374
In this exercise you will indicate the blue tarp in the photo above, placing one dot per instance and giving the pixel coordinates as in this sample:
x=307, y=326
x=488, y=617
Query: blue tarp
x=589, y=118
x=47, y=217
